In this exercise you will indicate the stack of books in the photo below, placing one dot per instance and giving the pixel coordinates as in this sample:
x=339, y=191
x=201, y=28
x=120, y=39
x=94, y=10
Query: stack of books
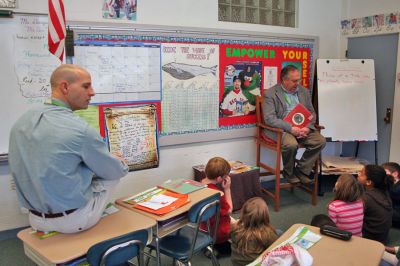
x=238, y=167
x=157, y=200
x=182, y=186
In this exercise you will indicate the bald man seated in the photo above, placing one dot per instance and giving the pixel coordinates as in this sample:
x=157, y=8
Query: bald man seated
x=63, y=171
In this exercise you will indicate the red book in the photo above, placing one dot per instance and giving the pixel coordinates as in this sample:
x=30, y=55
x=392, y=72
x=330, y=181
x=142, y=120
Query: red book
x=299, y=116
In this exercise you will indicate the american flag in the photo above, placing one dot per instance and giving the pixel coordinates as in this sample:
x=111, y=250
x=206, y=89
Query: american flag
x=56, y=36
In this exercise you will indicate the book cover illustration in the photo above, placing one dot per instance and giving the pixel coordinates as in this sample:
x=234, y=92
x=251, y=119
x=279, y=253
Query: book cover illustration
x=300, y=116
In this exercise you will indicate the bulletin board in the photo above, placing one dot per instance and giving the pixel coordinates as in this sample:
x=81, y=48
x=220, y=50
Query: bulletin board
x=187, y=73
x=195, y=71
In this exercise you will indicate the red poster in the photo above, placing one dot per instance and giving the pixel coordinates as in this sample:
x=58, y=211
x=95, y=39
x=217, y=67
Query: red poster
x=247, y=70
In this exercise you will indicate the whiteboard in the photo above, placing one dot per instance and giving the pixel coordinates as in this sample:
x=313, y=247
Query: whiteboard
x=25, y=69
x=347, y=99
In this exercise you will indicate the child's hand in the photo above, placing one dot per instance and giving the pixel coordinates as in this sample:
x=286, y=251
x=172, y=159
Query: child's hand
x=226, y=182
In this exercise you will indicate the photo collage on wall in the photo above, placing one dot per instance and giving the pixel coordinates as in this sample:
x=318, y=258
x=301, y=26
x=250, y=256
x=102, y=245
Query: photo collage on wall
x=379, y=23
x=247, y=70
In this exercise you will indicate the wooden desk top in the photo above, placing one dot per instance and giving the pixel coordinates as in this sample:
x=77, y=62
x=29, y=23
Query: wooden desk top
x=194, y=197
x=331, y=251
x=62, y=248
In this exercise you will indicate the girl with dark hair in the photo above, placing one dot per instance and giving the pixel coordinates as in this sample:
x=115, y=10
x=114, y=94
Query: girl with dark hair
x=378, y=205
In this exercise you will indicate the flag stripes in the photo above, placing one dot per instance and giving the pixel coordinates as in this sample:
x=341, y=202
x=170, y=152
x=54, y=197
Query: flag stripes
x=56, y=34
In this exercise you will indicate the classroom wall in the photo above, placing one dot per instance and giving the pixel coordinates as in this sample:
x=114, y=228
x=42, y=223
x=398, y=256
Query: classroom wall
x=361, y=8
x=316, y=17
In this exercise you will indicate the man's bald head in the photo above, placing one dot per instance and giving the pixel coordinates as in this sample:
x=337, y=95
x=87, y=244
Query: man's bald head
x=72, y=85
x=65, y=72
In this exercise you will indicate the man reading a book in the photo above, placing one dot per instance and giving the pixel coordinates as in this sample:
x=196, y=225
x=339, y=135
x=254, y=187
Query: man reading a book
x=54, y=155
x=279, y=102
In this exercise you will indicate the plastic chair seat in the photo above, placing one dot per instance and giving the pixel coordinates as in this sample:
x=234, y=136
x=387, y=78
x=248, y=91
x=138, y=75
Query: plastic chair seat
x=178, y=244
x=119, y=250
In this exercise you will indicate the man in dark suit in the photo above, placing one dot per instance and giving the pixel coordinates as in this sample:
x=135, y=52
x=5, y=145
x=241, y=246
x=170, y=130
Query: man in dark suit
x=278, y=102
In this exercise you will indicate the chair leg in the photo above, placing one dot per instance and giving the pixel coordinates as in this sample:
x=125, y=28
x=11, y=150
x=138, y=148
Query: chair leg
x=213, y=258
x=315, y=189
x=148, y=257
x=277, y=182
x=277, y=192
x=140, y=258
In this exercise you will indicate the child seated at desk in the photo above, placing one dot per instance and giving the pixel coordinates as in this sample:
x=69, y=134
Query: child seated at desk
x=253, y=233
x=393, y=169
x=217, y=172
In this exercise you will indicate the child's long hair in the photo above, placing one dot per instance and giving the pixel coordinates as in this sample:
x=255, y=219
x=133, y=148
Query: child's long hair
x=378, y=176
x=254, y=225
x=348, y=189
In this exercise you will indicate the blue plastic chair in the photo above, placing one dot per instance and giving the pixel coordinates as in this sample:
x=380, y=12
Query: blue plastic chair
x=191, y=239
x=118, y=250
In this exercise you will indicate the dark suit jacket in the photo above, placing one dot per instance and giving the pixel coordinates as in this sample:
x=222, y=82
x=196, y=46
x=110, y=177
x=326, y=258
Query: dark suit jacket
x=274, y=107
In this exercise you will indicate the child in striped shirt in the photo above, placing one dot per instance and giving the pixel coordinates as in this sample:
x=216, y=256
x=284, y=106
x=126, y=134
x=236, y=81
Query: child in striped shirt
x=347, y=209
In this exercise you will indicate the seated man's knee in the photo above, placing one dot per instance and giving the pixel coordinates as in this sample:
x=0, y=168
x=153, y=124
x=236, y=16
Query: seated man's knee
x=291, y=145
x=322, y=141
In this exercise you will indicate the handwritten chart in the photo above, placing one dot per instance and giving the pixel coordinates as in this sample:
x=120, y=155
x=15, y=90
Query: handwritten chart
x=132, y=132
x=33, y=62
x=190, y=87
x=347, y=99
x=122, y=73
x=25, y=69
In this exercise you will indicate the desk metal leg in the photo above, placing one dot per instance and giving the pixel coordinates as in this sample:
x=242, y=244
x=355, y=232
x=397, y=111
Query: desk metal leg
x=158, y=256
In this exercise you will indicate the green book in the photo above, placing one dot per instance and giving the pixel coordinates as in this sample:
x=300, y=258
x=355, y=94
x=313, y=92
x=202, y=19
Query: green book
x=42, y=235
x=182, y=186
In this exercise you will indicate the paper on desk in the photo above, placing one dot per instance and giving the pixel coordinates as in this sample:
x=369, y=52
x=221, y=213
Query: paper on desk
x=303, y=237
x=158, y=201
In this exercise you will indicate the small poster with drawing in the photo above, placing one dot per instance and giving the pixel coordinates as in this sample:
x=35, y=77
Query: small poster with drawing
x=132, y=132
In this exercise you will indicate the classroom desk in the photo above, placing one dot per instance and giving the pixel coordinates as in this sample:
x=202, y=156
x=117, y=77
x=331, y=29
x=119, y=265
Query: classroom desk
x=62, y=248
x=161, y=230
x=331, y=251
x=244, y=185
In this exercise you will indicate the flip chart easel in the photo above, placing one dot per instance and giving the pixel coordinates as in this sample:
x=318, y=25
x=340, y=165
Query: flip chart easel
x=347, y=100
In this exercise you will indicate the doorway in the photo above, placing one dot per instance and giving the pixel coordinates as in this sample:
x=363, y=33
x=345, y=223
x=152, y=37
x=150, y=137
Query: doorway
x=383, y=49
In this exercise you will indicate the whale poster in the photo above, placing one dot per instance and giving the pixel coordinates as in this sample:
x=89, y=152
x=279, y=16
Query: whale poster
x=190, y=82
